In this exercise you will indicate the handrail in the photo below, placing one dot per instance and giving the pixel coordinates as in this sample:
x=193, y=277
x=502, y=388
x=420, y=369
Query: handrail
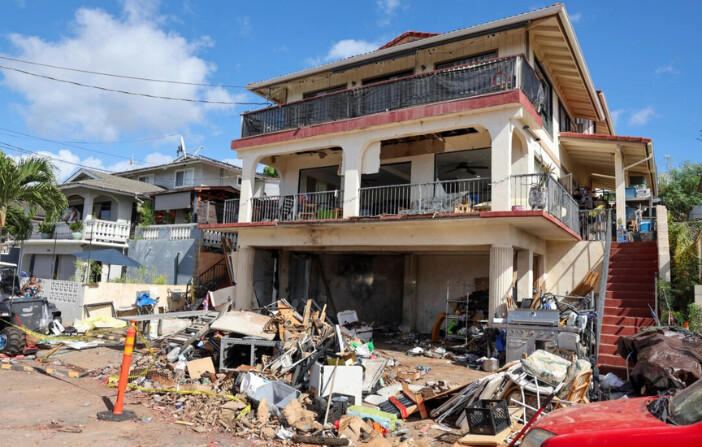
x=603, y=281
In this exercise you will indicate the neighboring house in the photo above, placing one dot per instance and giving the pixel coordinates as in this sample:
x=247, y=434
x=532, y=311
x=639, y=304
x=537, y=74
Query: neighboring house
x=406, y=173
x=192, y=190
x=107, y=206
x=189, y=190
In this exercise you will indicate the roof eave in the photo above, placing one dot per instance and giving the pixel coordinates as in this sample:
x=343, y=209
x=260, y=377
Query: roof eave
x=368, y=57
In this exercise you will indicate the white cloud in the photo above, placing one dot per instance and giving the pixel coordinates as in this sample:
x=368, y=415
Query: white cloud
x=642, y=116
x=388, y=9
x=616, y=116
x=238, y=162
x=663, y=69
x=350, y=47
x=576, y=17
x=244, y=24
x=102, y=42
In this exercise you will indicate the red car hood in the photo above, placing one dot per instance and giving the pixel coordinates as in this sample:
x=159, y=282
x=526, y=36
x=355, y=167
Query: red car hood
x=619, y=414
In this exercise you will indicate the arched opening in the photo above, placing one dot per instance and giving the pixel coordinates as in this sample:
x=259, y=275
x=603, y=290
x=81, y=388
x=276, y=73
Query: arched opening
x=519, y=154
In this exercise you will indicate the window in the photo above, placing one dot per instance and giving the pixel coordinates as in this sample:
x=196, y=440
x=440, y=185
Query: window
x=147, y=179
x=184, y=178
x=565, y=123
x=319, y=179
x=238, y=181
x=547, y=109
x=467, y=60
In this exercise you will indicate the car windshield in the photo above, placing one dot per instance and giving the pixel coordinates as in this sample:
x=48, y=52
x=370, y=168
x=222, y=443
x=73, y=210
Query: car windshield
x=685, y=406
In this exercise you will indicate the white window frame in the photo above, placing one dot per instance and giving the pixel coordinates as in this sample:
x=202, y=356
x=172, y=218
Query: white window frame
x=175, y=178
x=149, y=177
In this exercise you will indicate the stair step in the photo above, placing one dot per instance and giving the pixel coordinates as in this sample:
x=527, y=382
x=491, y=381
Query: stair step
x=609, y=329
x=631, y=279
x=623, y=311
x=607, y=339
x=618, y=371
x=631, y=287
x=629, y=295
x=608, y=349
x=612, y=360
x=634, y=245
x=615, y=270
x=633, y=264
x=629, y=303
x=627, y=321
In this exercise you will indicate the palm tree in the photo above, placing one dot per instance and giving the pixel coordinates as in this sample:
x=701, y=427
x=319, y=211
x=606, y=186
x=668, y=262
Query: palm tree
x=30, y=182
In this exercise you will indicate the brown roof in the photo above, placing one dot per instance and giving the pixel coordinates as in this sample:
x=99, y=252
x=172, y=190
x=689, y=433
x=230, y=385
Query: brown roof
x=114, y=183
x=407, y=37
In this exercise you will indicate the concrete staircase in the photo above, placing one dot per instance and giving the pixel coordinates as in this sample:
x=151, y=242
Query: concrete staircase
x=631, y=287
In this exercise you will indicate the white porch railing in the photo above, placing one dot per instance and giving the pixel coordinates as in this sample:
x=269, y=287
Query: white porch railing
x=96, y=230
x=178, y=232
x=173, y=232
x=211, y=238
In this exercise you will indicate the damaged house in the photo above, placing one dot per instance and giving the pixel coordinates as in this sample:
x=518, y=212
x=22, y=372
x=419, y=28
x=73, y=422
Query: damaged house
x=476, y=163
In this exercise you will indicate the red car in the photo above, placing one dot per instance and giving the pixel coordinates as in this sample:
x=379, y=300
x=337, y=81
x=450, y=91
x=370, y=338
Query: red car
x=624, y=422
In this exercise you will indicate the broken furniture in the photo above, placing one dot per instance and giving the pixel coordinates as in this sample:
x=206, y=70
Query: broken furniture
x=348, y=320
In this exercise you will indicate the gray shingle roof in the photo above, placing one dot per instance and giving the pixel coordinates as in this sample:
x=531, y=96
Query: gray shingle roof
x=116, y=183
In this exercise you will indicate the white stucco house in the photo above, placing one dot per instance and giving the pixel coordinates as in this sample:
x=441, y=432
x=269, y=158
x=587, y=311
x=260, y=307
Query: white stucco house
x=406, y=173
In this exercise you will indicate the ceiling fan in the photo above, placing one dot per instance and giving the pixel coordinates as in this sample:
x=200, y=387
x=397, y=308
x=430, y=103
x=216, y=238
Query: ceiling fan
x=464, y=165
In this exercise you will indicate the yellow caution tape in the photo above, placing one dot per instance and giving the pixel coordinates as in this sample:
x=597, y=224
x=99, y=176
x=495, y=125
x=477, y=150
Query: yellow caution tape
x=54, y=337
x=132, y=386
x=115, y=379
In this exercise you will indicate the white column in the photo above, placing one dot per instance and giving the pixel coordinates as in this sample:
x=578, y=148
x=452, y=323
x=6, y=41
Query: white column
x=620, y=184
x=248, y=175
x=409, y=294
x=243, y=276
x=501, y=167
x=87, y=206
x=352, y=165
x=501, y=273
x=525, y=273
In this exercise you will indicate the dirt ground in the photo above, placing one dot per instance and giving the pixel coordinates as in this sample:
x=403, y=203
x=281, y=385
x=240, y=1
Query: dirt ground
x=41, y=410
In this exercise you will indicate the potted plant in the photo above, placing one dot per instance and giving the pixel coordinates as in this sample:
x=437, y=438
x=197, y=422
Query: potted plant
x=538, y=195
x=76, y=229
x=46, y=229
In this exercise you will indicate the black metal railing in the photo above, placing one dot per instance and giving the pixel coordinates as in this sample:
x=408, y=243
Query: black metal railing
x=324, y=205
x=593, y=224
x=486, y=77
x=544, y=192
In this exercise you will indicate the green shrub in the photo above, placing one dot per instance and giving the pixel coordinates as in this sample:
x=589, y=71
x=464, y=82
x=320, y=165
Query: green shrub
x=47, y=227
x=160, y=280
x=694, y=317
x=76, y=226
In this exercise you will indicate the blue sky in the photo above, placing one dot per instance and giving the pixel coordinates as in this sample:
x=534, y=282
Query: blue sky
x=645, y=56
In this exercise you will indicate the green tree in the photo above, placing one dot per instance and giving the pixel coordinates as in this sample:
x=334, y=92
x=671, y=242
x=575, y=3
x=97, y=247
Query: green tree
x=270, y=171
x=30, y=182
x=679, y=189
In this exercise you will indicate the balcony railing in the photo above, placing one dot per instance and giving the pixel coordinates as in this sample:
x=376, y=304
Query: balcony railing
x=96, y=230
x=231, y=211
x=539, y=192
x=453, y=196
x=325, y=205
x=171, y=232
x=593, y=225
x=441, y=85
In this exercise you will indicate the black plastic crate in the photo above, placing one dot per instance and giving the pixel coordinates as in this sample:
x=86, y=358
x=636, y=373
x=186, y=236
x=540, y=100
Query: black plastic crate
x=488, y=417
x=340, y=403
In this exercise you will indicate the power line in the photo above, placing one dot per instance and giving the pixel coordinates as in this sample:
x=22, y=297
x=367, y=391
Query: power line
x=20, y=135
x=112, y=75
x=125, y=92
x=30, y=152
x=138, y=140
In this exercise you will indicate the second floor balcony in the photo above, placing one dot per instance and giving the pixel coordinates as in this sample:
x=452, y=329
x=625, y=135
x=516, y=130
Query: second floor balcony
x=529, y=192
x=493, y=76
x=95, y=230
